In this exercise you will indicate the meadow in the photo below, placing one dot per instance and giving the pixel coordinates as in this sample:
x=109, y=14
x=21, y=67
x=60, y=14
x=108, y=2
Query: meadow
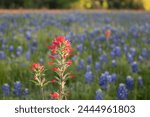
x=111, y=54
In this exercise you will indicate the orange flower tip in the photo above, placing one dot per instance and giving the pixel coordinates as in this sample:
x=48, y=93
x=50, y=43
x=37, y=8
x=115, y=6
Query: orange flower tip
x=54, y=95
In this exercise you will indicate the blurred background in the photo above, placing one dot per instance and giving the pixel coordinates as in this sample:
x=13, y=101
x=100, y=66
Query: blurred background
x=75, y=4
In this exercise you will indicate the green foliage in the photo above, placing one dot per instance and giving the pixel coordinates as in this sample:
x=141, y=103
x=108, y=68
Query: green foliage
x=85, y=4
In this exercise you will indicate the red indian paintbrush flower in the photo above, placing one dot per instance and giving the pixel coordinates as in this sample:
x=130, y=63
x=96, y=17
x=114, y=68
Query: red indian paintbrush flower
x=37, y=66
x=108, y=33
x=61, y=44
x=60, y=52
x=54, y=95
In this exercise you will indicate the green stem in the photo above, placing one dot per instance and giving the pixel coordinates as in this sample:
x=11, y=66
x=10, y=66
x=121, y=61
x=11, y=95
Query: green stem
x=42, y=93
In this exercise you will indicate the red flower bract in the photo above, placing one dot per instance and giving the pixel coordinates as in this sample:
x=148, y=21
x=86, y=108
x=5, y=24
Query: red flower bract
x=37, y=66
x=54, y=95
x=52, y=81
x=69, y=62
x=61, y=44
x=55, y=69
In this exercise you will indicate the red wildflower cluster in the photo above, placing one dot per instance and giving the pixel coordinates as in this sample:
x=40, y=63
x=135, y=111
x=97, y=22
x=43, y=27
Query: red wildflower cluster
x=62, y=44
x=54, y=95
x=37, y=66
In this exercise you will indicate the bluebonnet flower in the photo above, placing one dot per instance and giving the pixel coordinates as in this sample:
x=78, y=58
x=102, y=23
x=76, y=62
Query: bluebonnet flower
x=140, y=81
x=92, y=44
x=34, y=45
x=109, y=78
x=26, y=92
x=103, y=81
x=82, y=37
x=28, y=55
x=17, y=88
x=122, y=92
x=133, y=51
x=100, y=50
x=144, y=53
x=112, y=53
x=80, y=48
x=89, y=77
x=114, y=63
x=88, y=68
x=2, y=55
x=134, y=66
x=81, y=65
x=140, y=59
x=19, y=50
x=28, y=35
x=129, y=82
x=103, y=58
x=101, y=38
x=89, y=59
x=97, y=66
x=4, y=46
x=6, y=89
x=114, y=77
x=11, y=48
x=99, y=95
x=129, y=58
x=125, y=48
x=117, y=51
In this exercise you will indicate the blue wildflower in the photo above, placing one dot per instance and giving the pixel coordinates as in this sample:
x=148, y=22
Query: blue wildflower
x=99, y=95
x=103, y=81
x=2, y=55
x=28, y=35
x=122, y=92
x=114, y=63
x=6, y=89
x=80, y=48
x=134, y=66
x=28, y=55
x=144, y=53
x=114, y=77
x=89, y=59
x=129, y=82
x=88, y=68
x=117, y=51
x=103, y=58
x=17, y=88
x=26, y=92
x=89, y=77
x=97, y=66
x=129, y=58
x=19, y=50
x=133, y=51
x=11, y=48
x=81, y=65
x=109, y=78
x=140, y=81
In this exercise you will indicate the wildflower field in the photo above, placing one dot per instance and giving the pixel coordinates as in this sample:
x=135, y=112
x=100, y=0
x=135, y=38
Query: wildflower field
x=110, y=58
